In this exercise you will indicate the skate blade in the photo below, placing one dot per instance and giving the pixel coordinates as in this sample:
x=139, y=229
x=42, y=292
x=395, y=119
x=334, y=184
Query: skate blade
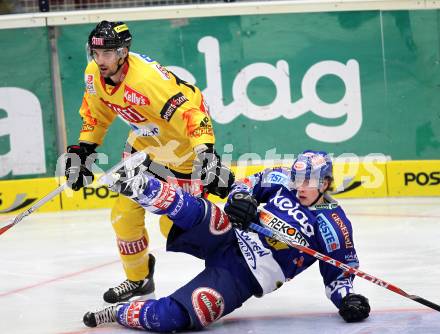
x=132, y=299
x=143, y=297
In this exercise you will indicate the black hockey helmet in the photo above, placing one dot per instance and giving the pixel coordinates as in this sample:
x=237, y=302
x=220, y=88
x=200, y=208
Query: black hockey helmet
x=109, y=35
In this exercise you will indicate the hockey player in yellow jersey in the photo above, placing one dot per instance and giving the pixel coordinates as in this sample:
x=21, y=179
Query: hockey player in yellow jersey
x=169, y=120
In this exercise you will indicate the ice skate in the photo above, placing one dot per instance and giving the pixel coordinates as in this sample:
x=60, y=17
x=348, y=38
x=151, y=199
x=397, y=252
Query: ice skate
x=105, y=316
x=128, y=290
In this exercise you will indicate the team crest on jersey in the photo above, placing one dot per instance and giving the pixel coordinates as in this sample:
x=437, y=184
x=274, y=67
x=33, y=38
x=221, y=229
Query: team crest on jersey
x=135, y=98
x=90, y=86
x=208, y=304
x=219, y=223
x=128, y=113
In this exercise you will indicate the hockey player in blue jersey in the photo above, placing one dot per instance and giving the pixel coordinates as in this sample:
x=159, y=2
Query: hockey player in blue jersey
x=239, y=263
x=309, y=181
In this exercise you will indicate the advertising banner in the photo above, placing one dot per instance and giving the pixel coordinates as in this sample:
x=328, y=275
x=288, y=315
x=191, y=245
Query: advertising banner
x=95, y=196
x=27, y=115
x=352, y=180
x=18, y=195
x=348, y=82
x=414, y=178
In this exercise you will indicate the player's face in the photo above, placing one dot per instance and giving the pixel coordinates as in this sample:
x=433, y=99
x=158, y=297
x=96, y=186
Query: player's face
x=107, y=61
x=307, y=192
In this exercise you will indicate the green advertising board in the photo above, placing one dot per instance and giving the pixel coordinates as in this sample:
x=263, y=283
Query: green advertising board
x=27, y=115
x=346, y=82
x=349, y=82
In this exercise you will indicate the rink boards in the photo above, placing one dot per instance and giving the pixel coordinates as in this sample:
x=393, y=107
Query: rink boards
x=352, y=180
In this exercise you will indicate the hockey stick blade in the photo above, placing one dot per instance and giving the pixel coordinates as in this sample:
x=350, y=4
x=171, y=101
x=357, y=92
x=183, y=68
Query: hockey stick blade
x=267, y=217
x=424, y=302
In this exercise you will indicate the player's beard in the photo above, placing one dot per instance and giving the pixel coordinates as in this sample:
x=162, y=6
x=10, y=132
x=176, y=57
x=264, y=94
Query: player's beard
x=118, y=67
x=107, y=73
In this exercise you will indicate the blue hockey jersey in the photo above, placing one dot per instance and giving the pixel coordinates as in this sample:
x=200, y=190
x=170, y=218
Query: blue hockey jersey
x=324, y=228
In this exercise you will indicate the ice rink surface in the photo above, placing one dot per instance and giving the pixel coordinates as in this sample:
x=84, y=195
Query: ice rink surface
x=55, y=267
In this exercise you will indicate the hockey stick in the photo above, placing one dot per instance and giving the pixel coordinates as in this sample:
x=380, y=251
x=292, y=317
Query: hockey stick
x=138, y=158
x=278, y=229
x=34, y=207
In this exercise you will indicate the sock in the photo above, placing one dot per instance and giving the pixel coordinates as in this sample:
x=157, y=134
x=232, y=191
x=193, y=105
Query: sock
x=163, y=199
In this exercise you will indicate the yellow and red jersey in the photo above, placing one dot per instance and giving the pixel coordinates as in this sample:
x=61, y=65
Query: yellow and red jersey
x=167, y=116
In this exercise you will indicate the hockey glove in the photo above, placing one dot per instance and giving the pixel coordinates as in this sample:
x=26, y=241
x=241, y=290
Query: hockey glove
x=131, y=179
x=354, y=308
x=216, y=178
x=241, y=208
x=79, y=161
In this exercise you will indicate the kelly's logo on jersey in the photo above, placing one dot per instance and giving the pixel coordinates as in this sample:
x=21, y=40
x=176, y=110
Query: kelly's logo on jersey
x=128, y=113
x=133, y=97
x=172, y=105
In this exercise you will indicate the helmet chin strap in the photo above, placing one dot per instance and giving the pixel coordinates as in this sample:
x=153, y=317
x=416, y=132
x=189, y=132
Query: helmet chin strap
x=118, y=68
x=320, y=194
x=317, y=198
